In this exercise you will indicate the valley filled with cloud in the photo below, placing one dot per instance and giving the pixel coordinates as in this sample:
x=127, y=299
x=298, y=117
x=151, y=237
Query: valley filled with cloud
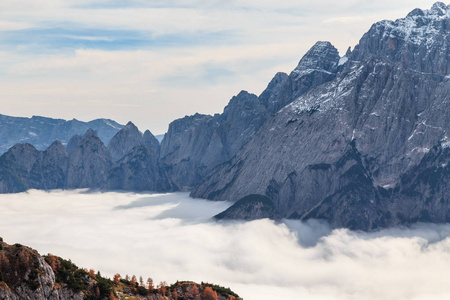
x=172, y=237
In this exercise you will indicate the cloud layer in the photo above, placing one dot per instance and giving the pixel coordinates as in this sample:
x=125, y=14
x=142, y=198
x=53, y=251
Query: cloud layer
x=154, y=61
x=171, y=237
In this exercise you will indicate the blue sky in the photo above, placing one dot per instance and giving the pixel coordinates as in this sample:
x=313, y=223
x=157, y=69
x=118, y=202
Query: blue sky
x=154, y=61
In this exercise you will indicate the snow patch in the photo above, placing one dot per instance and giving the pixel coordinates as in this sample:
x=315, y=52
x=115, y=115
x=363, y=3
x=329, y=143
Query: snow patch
x=107, y=122
x=416, y=28
x=343, y=60
x=445, y=142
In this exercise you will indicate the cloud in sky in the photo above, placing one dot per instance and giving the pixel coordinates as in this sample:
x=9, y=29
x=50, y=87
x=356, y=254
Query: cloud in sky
x=171, y=237
x=167, y=58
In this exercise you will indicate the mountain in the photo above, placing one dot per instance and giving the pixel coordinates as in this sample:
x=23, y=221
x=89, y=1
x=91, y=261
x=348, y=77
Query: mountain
x=89, y=162
x=360, y=140
x=194, y=145
x=42, y=132
x=25, y=274
x=362, y=148
x=130, y=162
x=125, y=140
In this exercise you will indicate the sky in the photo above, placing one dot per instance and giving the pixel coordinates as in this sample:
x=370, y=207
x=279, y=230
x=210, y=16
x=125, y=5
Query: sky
x=151, y=62
x=170, y=237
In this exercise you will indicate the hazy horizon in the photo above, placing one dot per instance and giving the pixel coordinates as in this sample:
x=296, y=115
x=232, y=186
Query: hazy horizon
x=171, y=237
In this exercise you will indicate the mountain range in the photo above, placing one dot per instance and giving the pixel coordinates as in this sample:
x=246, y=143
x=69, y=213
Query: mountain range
x=360, y=140
x=129, y=162
x=41, y=132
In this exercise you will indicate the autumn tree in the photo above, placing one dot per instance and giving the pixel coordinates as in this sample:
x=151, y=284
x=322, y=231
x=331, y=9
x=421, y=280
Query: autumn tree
x=141, y=281
x=133, y=282
x=116, y=279
x=150, y=286
x=53, y=261
x=92, y=273
x=111, y=296
x=175, y=295
x=194, y=291
x=127, y=278
x=97, y=292
x=209, y=294
x=162, y=287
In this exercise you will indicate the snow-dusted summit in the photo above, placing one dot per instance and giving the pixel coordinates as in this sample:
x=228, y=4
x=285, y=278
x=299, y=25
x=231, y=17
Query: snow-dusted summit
x=366, y=148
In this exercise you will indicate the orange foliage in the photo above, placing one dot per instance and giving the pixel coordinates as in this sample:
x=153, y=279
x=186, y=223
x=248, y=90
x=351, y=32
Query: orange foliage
x=209, y=294
x=194, y=291
x=162, y=287
x=133, y=281
x=150, y=286
x=92, y=273
x=175, y=294
x=112, y=297
x=117, y=278
x=54, y=262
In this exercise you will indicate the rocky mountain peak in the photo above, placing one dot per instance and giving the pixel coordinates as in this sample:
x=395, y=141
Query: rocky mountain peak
x=244, y=100
x=125, y=140
x=439, y=8
x=150, y=140
x=417, y=42
x=56, y=147
x=88, y=162
x=73, y=143
x=340, y=149
x=322, y=56
x=90, y=133
x=22, y=155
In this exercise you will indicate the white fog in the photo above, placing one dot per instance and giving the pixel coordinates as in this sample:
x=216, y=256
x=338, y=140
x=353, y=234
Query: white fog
x=171, y=237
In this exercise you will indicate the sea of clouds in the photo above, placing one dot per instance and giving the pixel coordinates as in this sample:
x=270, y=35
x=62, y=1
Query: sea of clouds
x=172, y=237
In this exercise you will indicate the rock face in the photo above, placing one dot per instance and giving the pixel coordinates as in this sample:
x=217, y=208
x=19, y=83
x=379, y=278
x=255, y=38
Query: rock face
x=50, y=172
x=355, y=148
x=195, y=145
x=16, y=164
x=140, y=170
x=125, y=140
x=251, y=207
x=25, y=274
x=42, y=132
x=130, y=163
x=88, y=163
x=151, y=141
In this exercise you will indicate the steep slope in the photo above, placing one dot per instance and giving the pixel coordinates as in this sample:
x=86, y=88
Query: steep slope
x=423, y=192
x=125, y=140
x=42, y=132
x=15, y=165
x=388, y=102
x=195, y=145
x=151, y=141
x=89, y=163
x=140, y=170
x=50, y=171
